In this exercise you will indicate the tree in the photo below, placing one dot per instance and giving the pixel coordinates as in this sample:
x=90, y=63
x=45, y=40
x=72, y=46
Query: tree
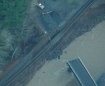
x=12, y=13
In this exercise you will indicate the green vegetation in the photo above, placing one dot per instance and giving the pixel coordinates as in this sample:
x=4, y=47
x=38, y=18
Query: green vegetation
x=14, y=39
x=2, y=42
x=12, y=12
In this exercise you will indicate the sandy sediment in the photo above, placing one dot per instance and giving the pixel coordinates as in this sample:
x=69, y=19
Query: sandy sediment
x=89, y=47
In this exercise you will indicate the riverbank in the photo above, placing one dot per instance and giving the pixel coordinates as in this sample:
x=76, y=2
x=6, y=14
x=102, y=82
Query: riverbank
x=89, y=47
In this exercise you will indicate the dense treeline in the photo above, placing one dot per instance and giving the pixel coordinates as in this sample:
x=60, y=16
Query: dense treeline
x=18, y=31
x=12, y=12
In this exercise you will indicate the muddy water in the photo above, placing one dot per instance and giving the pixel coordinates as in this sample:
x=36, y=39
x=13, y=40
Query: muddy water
x=90, y=47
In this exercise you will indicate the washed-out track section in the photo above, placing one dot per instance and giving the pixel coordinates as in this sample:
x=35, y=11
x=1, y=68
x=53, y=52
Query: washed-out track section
x=11, y=79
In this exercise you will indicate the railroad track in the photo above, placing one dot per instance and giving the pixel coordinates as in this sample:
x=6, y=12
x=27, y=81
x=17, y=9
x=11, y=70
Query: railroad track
x=6, y=81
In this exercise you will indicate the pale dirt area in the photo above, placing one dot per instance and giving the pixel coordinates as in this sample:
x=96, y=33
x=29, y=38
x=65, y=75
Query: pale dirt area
x=90, y=47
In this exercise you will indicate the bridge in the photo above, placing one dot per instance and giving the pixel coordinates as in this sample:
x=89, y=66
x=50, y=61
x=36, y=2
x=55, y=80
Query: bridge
x=81, y=73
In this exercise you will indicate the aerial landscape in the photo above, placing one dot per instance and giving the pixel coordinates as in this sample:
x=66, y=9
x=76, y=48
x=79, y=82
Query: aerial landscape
x=52, y=43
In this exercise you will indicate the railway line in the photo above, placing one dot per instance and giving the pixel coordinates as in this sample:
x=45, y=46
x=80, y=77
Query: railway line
x=9, y=79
